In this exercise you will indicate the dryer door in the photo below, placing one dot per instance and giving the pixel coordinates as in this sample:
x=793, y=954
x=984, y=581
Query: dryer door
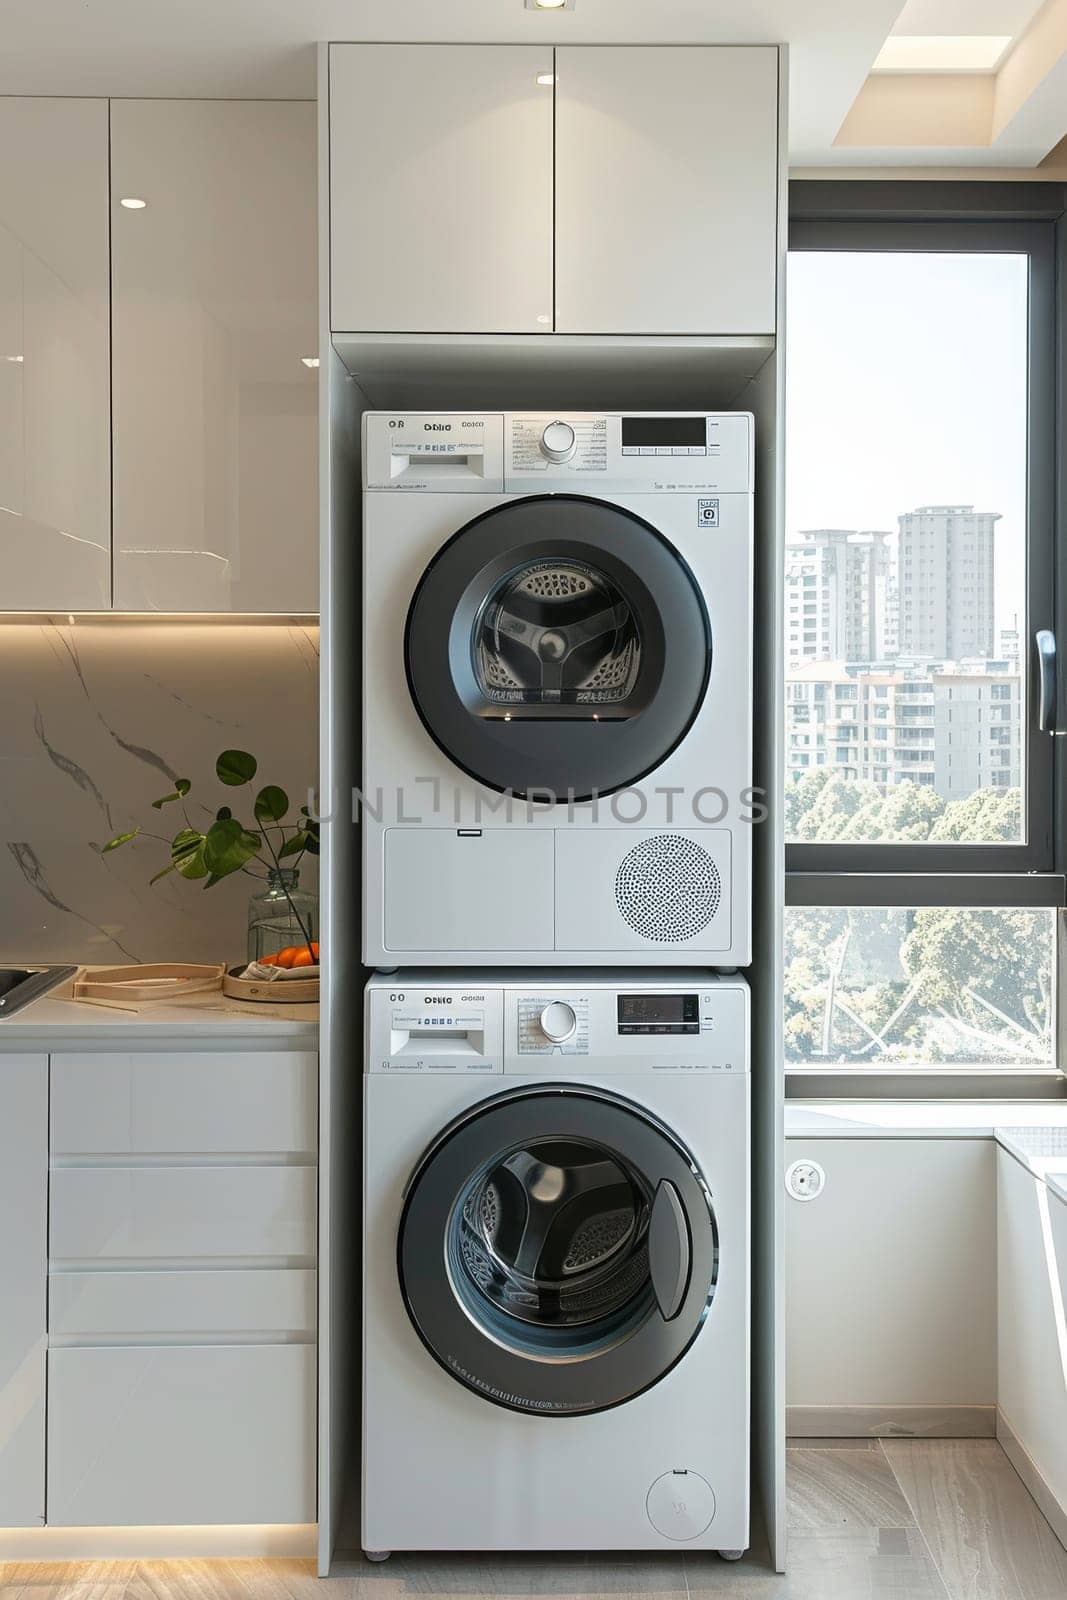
x=558, y=1251
x=558, y=647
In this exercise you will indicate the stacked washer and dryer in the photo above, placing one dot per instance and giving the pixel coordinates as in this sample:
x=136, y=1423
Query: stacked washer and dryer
x=557, y=823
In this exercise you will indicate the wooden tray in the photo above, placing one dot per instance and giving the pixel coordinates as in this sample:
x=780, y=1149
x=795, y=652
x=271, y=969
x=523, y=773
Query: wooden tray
x=165, y=980
x=282, y=992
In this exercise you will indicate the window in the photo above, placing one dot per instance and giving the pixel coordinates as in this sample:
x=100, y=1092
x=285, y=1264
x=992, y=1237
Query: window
x=922, y=870
x=922, y=987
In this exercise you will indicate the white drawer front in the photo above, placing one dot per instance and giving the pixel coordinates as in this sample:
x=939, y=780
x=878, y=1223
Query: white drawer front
x=192, y=1213
x=118, y=1306
x=166, y=1103
x=161, y=1434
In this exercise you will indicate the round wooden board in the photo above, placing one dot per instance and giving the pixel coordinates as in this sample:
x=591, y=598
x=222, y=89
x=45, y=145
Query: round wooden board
x=282, y=992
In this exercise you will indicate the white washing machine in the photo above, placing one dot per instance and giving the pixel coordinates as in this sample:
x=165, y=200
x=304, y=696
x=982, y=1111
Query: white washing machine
x=556, y=1262
x=557, y=688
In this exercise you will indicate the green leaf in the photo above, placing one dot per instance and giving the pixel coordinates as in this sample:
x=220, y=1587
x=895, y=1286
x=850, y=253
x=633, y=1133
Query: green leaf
x=313, y=844
x=162, y=874
x=223, y=814
x=235, y=767
x=187, y=853
x=120, y=838
x=295, y=845
x=181, y=789
x=271, y=804
x=227, y=846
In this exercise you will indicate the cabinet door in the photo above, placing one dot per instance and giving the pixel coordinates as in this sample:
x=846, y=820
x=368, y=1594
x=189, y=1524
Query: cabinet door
x=666, y=189
x=23, y=1264
x=214, y=312
x=55, y=467
x=441, y=188
x=164, y=1434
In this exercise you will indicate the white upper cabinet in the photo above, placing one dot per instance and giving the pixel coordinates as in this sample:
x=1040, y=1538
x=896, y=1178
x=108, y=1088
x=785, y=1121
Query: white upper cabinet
x=55, y=467
x=214, y=285
x=666, y=190
x=23, y=1265
x=441, y=188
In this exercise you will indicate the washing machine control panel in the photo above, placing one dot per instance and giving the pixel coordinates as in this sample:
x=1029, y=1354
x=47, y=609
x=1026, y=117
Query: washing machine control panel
x=677, y=1027
x=599, y=1029
x=578, y=452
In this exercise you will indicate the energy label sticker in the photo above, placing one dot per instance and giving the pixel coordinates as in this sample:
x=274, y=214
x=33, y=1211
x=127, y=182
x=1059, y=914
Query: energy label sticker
x=707, y=513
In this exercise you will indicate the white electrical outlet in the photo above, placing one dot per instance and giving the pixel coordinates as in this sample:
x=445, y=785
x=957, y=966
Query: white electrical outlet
x=804, y=1180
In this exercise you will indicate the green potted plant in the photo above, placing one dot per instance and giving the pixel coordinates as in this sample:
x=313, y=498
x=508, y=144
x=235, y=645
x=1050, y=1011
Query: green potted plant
x=270, y=847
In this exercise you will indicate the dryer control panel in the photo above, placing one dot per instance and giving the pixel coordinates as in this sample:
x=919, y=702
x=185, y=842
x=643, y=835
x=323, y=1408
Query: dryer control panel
x=628, y=1024
x=531, y=452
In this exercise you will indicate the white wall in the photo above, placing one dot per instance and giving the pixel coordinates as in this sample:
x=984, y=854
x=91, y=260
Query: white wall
x=891, y=1281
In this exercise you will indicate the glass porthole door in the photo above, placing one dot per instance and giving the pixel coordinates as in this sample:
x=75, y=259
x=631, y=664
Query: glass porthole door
x=558, y=1250
x=558, y=646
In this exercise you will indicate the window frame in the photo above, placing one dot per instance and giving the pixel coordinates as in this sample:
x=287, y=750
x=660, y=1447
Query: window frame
x=847, y=215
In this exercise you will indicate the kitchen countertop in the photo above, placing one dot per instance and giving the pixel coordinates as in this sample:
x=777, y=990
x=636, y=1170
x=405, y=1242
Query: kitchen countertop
x=54, y=1023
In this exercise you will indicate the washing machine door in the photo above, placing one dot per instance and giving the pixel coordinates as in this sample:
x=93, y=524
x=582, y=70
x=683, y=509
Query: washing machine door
x=558, y=1251
x=558, y=647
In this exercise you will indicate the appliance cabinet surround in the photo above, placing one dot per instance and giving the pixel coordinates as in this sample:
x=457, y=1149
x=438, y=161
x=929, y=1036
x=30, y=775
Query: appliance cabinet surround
x=606, y=190
x=167, y=1219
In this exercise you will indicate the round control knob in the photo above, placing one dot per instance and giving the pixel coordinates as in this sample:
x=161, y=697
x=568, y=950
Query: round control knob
x=558, y=1021
x=558, y=442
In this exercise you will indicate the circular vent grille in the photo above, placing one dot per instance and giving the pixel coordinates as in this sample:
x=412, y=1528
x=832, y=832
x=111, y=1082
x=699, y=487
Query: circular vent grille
x=668, y=888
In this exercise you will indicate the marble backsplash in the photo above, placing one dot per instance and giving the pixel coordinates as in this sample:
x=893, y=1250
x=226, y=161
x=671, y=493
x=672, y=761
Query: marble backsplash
x=97, y=719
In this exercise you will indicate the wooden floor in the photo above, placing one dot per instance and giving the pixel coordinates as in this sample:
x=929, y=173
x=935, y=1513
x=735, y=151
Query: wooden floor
x=869, y=1520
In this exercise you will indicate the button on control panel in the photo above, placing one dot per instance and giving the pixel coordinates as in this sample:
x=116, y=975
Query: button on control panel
x=553, y=1025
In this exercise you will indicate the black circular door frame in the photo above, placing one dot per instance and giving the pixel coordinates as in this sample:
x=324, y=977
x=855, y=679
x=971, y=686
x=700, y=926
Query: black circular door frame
x=574, y=756
x=683, y=1249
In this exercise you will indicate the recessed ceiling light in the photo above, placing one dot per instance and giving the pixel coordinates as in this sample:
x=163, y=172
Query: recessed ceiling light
x=310, y=361
x=132, y=203
x=548, y=78
x=19, y=359
x=958, y=52
x=550, y=5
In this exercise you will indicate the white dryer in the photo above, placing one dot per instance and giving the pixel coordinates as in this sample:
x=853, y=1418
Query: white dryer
x=557, y=688
x=556, y=1262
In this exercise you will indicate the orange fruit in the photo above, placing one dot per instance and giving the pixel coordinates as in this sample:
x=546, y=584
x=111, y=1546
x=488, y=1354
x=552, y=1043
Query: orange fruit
x=285, y=957
x=268, y=961
x=304, y=957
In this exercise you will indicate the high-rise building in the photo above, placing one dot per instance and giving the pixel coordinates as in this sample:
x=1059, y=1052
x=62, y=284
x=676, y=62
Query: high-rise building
x=837, y=595
x=956, y=728
x=945, y=582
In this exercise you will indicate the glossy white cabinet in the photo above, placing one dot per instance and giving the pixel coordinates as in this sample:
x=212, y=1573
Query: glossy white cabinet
x=214, y=295
x=583, y=190
x=170, y=1434
x=55, y=466
x=666, y=189
x=182, y=1302
x=164, y=1102
x=122, y=1306
x=441, y=188
x=23, y=1254
x=141, y=1214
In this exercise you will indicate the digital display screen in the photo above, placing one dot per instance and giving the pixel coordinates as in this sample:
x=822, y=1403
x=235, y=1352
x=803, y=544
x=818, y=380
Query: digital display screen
x=659, y=1013
x=650, y=431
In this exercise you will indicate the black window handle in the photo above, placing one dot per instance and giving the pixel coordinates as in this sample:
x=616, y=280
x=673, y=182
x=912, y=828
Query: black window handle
x=670, y=1254
x=1045, y=643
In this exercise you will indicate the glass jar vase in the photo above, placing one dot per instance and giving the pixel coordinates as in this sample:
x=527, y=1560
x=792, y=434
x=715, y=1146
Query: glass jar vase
x=275, y=915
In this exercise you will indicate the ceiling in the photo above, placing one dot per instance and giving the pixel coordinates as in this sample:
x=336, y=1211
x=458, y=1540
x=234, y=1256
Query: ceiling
x=840, y=114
